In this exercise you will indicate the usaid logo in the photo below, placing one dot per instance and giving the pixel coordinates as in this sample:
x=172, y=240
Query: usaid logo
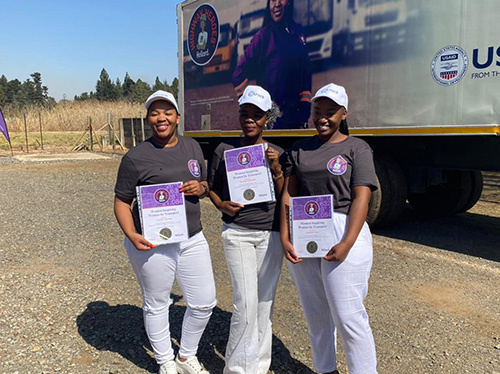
x=449, y=65
x=203, y=34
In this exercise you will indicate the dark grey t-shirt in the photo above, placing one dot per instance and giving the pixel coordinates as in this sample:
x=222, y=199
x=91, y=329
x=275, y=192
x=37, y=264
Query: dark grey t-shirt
x=149, y=163
x=261, y=216
x=332, y=168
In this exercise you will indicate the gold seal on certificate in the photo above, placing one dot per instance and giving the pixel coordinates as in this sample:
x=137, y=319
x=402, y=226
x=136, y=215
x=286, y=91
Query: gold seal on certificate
x=165, y=233
x=249, y=194
x=312, y=247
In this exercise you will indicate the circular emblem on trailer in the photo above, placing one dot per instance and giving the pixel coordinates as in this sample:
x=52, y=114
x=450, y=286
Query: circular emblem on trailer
x=312, y=247
x=311, y=208
x=337, y=165
x=249, y=194
x=165, y=233
x=194, y=168
x=203, y=34
x=161, y=196
x=244, y=158
x=449, y=65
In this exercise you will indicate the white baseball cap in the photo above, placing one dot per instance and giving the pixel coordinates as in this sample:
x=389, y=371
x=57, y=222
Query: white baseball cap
x=257, y=96
x=161, y=95
x=333, y=92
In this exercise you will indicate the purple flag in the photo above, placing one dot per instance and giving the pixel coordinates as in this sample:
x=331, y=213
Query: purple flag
x=3, y=127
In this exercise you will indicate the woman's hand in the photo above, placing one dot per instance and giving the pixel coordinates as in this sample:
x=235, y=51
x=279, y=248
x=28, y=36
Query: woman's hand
x=338, y=252
x=273, y=158
x=139, y=242
x=290, y=253
x=193, y=188
x=230, y=208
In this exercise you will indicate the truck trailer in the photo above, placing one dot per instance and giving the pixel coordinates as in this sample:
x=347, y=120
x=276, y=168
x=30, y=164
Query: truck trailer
x=423, y=80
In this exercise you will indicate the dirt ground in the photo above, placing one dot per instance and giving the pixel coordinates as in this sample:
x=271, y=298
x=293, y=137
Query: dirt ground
x=70, y=302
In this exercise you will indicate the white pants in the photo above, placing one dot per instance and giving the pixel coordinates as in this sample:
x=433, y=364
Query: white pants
x=254, y=259
x=188, y=262
x=332, y=295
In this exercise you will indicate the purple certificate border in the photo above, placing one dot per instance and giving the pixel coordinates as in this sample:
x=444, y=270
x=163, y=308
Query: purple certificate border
x=148, y=195
x=256, y=153
x=323, y=203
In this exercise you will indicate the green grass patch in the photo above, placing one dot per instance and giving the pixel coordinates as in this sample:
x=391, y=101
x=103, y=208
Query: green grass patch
x=51, y=139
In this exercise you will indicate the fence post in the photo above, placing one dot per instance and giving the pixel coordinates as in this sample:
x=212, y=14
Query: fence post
x=91, y=137
x=41, y=132
x=142, y=129
x=26, y=133
x=133, y=133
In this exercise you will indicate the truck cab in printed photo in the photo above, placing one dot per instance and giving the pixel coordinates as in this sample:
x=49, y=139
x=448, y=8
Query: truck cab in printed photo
x=343, y=28
x=224, y=59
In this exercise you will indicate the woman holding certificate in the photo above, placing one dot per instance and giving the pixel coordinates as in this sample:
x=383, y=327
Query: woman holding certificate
x=332, y=288
x=163, y=159
x=250, y=233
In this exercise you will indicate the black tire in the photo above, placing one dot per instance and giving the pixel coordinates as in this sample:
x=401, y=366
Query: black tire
x=477, y=190
x=448, y=198
x=388, y=201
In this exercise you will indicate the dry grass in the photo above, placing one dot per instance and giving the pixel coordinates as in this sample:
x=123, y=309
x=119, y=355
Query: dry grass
x=71, y=116
x=63, y=125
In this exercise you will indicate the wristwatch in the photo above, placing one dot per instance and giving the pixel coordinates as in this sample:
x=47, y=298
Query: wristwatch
x=206, y=190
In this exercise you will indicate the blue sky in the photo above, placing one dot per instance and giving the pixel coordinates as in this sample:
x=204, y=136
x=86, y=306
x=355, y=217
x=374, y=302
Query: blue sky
x=70, y=42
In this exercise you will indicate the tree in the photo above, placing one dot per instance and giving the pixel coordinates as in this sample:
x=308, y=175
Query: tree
x=40, y=93
x=105, y=90
x=142, y=90
x=3, y=87
x=12, y=91
x=128, y=88
x=175, y=87
x=159, y=85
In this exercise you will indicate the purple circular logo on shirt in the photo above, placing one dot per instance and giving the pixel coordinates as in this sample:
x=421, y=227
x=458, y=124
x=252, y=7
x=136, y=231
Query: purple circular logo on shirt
x=194, y=168
x=337, y=165
x=244, y=158
x=161, y=196
x=311, y=208
x=203, y=34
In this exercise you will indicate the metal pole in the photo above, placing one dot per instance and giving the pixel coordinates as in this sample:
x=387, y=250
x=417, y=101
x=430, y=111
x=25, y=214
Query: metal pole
x=90, y=133
x=26, y=132
x=41, y=132
x=142, y=129
x=111, y=131
x=133, y=131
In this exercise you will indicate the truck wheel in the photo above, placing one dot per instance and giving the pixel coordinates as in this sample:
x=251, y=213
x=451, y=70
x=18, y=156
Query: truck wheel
x=388, y=201
x=448, y=198
x=476, y=191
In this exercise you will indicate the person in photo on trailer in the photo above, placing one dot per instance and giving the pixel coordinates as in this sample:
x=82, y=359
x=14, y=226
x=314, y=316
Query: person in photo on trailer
x=250, y=236
x=165, y=158
x=332, y=289
x=278, y=60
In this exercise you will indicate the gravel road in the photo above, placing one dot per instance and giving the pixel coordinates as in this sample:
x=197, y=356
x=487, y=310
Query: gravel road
x=70, y=302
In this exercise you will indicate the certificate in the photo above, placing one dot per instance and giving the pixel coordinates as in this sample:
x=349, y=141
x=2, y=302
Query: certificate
x=248, y=175
x=162, y=212
x=311, y=225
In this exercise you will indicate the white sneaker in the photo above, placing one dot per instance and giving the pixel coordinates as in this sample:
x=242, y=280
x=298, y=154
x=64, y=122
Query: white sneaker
x=190, y=366
x=168, y=367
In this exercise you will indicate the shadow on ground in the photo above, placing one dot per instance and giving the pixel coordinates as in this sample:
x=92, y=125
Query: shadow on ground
x=468, y=233
x=120, y=329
